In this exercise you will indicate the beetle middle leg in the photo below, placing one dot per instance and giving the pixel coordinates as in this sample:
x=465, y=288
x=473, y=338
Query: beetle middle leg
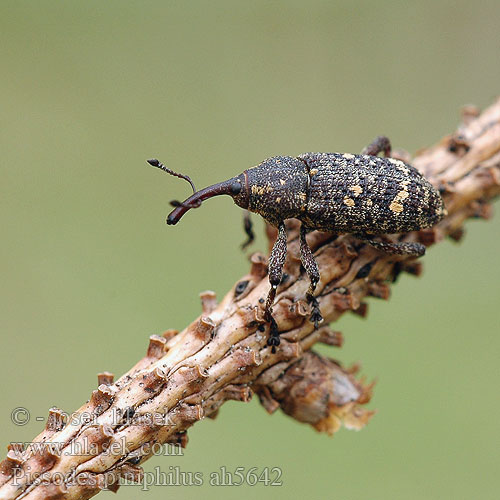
x=247, y=226
x=310, y=265
x=276, y=263
x=379, y=144
x=399, y=248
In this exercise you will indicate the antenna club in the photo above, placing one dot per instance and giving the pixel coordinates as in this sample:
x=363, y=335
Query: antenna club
x=157, y=163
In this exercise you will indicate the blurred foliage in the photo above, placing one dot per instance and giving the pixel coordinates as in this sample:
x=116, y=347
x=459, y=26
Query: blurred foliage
x=91, y=89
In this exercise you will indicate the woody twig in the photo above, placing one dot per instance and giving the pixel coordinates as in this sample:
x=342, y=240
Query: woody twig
x=222, y=355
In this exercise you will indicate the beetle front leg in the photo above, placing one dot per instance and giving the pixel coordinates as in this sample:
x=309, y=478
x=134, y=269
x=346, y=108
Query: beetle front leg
x=247, y=226
x=276, y=263
x=311, y=266
x=379, y=144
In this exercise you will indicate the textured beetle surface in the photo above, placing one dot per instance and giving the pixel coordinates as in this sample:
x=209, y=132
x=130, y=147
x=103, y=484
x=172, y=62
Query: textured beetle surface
x=350, y=193
x=339, y=193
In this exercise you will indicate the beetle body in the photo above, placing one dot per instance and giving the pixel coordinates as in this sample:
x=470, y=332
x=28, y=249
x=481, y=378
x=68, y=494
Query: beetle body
x=340, y=193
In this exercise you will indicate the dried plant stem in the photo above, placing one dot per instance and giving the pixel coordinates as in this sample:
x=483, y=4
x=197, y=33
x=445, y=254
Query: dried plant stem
x=223, y=355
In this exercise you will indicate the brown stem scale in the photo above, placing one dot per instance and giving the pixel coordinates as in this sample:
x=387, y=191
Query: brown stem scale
x=223, y=354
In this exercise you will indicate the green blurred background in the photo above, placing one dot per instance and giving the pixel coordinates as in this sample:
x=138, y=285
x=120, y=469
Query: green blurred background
x=89, y=269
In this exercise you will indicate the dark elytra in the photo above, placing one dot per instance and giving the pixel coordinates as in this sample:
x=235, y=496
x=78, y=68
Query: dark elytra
x=340, y=193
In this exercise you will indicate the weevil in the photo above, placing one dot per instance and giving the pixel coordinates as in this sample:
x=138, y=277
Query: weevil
x=362, y=194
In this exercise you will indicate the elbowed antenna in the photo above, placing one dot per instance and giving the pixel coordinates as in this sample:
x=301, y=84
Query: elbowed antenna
x=157, y=163
x=231, y=187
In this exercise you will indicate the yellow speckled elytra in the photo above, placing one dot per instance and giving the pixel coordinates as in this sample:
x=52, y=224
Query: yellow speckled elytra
x=340, y=193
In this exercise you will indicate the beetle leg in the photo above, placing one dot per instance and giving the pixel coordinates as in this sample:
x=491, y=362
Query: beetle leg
x=247, y=225
x=276, y=263
x=310, y=265
x=379, y=144
x=400, y=248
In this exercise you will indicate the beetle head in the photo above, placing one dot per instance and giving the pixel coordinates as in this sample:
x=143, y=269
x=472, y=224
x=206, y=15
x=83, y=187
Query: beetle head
x=236, y=187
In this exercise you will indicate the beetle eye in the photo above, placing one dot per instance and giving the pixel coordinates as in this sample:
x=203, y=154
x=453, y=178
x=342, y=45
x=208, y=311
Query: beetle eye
x=236, y=187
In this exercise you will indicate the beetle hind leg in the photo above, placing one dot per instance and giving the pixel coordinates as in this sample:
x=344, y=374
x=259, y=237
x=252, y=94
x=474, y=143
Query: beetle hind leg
x=399, y=248
x=379, y=144
x=276, y=263
x=310, y=265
